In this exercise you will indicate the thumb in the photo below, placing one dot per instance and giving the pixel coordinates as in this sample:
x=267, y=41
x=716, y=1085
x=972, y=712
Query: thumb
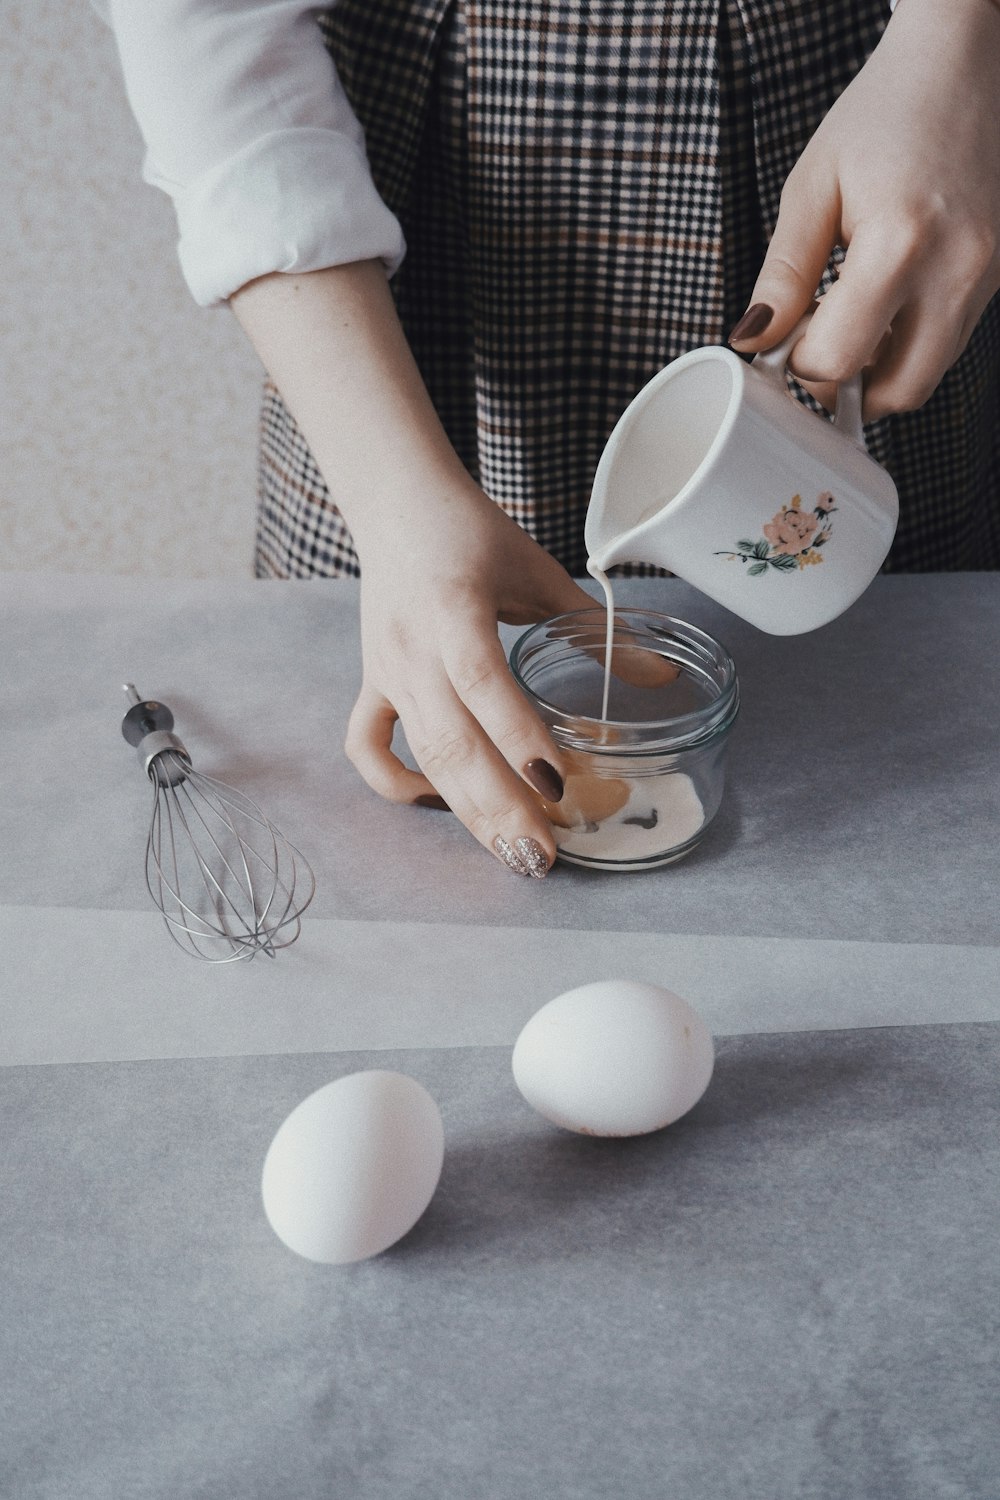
x=796, y=258
x=557, y=593
x=632, y=663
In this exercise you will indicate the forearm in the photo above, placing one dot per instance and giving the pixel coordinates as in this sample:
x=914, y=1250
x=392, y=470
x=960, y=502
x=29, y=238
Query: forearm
x=949, y=22
x=334, y=346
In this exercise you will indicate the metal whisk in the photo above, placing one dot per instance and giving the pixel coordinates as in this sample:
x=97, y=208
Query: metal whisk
x=228, y=884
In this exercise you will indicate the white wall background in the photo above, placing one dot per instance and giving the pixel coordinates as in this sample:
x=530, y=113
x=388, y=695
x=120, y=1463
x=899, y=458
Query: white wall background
x=128, y=416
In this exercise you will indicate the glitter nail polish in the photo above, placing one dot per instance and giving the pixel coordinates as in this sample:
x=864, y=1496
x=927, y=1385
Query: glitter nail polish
x=534, y=856
x=509, y=857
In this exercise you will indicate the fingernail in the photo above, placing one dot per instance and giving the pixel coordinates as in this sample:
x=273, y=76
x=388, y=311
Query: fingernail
x=534, y=856
x=525, y=857
x=427, y=800
x=545, y=779
x=752, y=323
x=508, y=856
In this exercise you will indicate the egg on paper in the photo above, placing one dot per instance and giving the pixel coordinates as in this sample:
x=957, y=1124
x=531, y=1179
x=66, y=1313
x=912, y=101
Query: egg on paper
x=615, y=1058
x=353, y=1167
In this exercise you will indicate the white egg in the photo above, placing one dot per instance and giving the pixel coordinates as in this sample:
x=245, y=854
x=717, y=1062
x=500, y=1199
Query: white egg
x=353, y=1167
x=614, y=1058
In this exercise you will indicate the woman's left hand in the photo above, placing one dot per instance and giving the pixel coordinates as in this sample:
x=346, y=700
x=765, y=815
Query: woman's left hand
x=904, y=173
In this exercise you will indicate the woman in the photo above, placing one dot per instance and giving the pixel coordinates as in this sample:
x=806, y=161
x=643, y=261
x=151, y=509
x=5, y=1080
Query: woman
x=587, y=188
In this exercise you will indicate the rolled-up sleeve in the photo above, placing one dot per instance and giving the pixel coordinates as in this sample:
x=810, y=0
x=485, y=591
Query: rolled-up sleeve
x=248, y=129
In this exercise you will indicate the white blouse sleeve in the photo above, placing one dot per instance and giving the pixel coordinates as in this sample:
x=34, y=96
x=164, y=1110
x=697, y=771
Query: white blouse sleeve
x=248, y=129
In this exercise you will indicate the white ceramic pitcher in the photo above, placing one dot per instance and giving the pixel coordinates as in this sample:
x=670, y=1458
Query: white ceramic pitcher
x=715, y=473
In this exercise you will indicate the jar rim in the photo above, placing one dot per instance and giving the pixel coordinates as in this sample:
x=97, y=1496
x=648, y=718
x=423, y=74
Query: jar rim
x=687, y=729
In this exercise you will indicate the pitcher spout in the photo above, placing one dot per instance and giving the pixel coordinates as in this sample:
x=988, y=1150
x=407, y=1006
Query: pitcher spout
x=621, y=549
x=621, y=533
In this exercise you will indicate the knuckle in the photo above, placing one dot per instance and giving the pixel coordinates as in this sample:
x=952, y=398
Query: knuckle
x=909, y=232
x=373, y=774
x=789, y=189
x=824, y=358
x=779, y=270
x=841, y=368
x=876, y=407
x=480, y=826
x=978, y=242
x=452, y=751
x=918, y=395
x=514, y=740
x=921, y=393
x=879, y=404
x=392, y=640
x=461, y=603
x=903, y=395
x=830, y=364
x=353, y=749
x=795, y=188
x=471, y=676
x=901, y=232
x=355, y=743
x=508, y=818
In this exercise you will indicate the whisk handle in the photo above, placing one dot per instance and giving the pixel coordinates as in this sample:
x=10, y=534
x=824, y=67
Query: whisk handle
x=147, y=726
x=144, y=717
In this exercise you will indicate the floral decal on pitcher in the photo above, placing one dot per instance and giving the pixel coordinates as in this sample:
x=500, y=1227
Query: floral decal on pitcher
x=792, y=539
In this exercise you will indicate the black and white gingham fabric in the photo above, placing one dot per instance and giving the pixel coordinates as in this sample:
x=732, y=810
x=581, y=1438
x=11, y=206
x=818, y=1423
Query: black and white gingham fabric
x=586, y=189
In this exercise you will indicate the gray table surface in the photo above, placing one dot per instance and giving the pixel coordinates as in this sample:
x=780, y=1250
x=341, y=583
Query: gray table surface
x=791, y=1293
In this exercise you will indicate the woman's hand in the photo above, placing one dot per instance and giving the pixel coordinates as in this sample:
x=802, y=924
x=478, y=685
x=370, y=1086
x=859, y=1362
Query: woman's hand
x=904, y=173
x=430, y=602
x=441, y=563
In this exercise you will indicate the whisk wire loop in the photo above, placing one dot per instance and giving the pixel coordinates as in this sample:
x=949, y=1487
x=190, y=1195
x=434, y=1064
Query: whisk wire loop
x=251, y=811
x=283, y=854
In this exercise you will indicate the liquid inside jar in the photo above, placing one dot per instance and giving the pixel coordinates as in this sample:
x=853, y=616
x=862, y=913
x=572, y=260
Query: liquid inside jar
x=643, y=749
x=580, y=688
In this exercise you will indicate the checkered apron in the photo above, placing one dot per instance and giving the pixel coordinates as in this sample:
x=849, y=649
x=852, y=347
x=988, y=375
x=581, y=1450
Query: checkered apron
x=587, y=188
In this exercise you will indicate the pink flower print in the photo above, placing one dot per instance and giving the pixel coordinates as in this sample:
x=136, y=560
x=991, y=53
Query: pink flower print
x=791, y=531
x=825, y=503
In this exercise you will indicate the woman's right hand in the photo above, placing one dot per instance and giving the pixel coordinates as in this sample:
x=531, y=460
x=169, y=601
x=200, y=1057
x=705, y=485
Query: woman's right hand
x=431, y=597
x=441, y=563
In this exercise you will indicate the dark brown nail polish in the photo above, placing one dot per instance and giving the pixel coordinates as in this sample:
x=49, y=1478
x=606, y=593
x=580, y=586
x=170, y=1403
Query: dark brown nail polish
x=752, y=323
x=426, y=800
x=545, y=779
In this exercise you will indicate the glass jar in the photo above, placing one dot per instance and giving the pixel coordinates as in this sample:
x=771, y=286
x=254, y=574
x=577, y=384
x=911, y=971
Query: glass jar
x=642, y=786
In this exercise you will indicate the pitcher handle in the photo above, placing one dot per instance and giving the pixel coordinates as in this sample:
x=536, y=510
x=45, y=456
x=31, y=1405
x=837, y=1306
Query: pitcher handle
x=847, y=419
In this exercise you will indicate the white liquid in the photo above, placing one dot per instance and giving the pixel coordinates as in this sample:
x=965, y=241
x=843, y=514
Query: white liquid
x=669, y=803
x=605, y=582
